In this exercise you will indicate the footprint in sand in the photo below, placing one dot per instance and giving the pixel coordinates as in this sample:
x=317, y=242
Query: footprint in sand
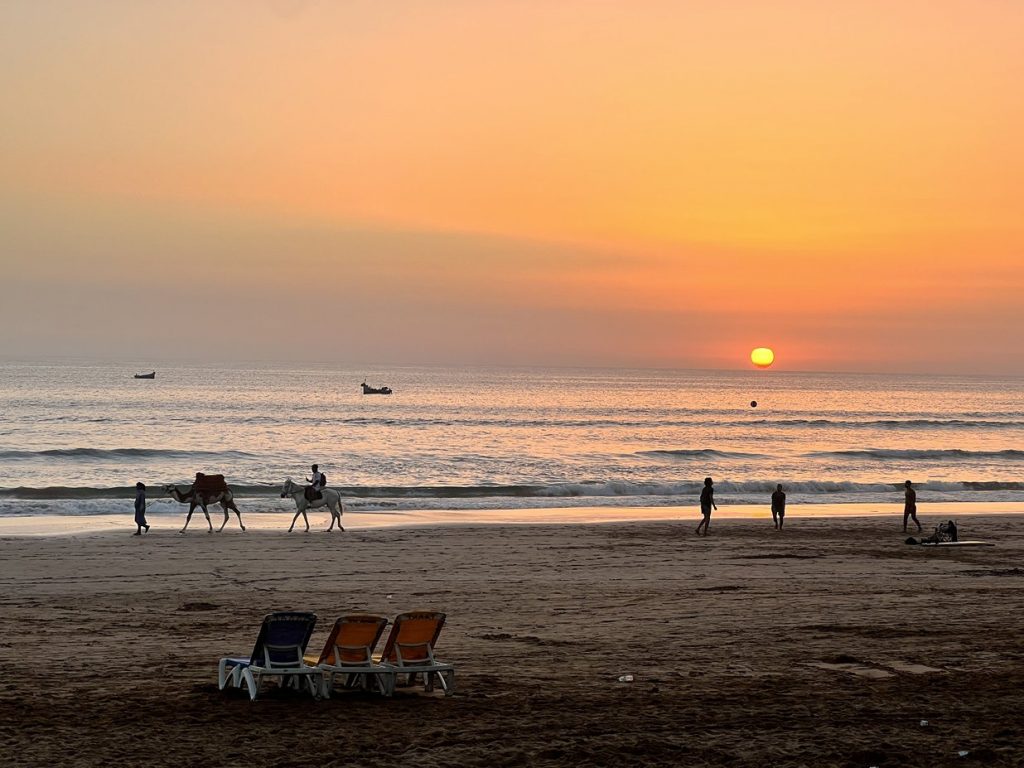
x=861, y=669
x=912, y=669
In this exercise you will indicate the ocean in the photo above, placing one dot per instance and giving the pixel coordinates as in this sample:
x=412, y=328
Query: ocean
x=75, y=437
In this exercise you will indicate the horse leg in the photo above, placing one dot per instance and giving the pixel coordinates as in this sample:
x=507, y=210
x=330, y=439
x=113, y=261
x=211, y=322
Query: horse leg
x=306, y=519
x=340, y=512
x=297, y=513
x=224, y=507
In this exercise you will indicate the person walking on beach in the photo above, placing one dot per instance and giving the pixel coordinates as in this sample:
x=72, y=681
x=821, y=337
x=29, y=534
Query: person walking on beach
x=910, y=506
x=778, y=507
x=140, y=509
x=707, y=501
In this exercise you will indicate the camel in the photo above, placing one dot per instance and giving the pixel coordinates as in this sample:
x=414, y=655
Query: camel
x=223, y=496
x=330, y=498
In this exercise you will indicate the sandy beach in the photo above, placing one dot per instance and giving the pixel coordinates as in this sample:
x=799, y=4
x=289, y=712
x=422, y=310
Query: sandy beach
x=827, y=644
x=513, y=291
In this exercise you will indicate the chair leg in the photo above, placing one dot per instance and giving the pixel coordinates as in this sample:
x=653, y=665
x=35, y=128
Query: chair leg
x=388, y=681
x=228, y=677
x=315, y=684
x=447, y=681
x=326, y=683
x=252, y=683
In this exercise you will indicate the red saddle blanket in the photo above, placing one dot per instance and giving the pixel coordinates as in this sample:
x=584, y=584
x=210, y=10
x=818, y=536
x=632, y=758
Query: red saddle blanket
x=209, y=484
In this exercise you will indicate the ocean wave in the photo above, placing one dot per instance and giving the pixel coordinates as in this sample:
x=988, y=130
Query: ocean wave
x=922, y=423
x=595, y=489
x=700, y=453
x=702, y=418
x=120, y=453
x=922, y=454
x=589, y=418
x=758, y=487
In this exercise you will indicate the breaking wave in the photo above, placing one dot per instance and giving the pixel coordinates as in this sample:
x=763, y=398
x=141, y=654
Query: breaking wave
x=121, y=453
x=622, y=488
x=701, y=453
x=920, y=454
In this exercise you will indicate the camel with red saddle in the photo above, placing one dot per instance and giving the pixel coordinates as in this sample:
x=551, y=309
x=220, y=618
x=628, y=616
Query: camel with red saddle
x=207, y=489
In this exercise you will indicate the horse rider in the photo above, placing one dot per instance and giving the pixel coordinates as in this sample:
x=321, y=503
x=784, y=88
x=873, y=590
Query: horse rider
x=316, y=482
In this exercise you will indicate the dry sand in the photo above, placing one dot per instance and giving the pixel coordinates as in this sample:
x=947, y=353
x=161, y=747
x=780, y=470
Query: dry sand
x=827, y=644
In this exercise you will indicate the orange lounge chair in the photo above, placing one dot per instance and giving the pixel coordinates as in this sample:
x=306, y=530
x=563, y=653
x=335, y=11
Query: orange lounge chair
x=409, y=650
x=349, y=652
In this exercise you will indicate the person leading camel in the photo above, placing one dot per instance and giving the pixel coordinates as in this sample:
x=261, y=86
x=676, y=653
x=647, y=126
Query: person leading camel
x=140, y=509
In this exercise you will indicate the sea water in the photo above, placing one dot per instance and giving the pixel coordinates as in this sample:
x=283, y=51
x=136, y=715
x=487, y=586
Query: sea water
x=75, y=437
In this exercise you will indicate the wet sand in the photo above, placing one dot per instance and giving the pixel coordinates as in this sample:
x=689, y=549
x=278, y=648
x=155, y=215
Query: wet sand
x=257, y=517
x=826, y=644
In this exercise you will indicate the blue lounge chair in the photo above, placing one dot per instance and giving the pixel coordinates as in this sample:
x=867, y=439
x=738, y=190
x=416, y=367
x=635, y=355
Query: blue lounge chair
x=278, y=653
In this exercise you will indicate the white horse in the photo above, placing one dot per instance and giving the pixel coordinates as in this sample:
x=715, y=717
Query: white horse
x=226, y=499
x=329, y=498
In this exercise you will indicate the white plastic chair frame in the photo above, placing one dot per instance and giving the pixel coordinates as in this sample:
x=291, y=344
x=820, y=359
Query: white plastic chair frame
x=377, y=677
x=291, y=673
x=429, y=668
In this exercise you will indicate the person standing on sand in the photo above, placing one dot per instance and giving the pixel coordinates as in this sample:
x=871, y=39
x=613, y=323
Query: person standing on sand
x=778, y=507
x=910, y=506
x=140, y=509
x=707, y=501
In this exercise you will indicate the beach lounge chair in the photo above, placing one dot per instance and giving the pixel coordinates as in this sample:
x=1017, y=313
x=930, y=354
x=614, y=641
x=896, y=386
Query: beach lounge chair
x=278, y=653
x=349, y=652
x=409, y=650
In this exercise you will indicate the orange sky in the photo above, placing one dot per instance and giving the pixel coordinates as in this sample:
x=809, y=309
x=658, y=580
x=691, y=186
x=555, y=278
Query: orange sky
x=600, y=183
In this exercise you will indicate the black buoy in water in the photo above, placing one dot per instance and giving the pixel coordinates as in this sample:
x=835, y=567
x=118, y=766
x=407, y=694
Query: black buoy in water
x=753, y=403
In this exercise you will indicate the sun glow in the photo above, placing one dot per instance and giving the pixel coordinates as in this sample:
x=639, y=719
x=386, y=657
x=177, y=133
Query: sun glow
x=762, y=357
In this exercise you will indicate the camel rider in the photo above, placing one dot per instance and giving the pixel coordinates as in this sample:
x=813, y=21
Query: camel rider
x=316, y=482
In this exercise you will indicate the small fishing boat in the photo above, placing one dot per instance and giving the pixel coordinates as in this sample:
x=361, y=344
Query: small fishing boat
x=368, y=390
x=146, y=375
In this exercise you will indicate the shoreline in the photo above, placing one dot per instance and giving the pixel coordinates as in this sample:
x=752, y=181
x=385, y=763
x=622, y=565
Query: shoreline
x=277, y=522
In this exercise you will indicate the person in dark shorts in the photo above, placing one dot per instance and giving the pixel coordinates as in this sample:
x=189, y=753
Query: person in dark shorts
x=910, y=506
x=707, y=501
x=778, y=507
x=140, y=509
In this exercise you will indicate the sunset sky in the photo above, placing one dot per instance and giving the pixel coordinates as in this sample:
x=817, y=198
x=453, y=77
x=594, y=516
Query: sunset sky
x=660, y=184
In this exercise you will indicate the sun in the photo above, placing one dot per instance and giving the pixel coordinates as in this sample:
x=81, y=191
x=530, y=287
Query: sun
x=762, y=357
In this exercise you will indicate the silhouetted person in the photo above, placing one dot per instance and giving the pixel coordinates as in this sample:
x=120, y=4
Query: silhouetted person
x=778, y=506
x=944, y=533
x=316, y=482
x=910, y=506
x=140, y=509
x=707, y=501
x=950, y=530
